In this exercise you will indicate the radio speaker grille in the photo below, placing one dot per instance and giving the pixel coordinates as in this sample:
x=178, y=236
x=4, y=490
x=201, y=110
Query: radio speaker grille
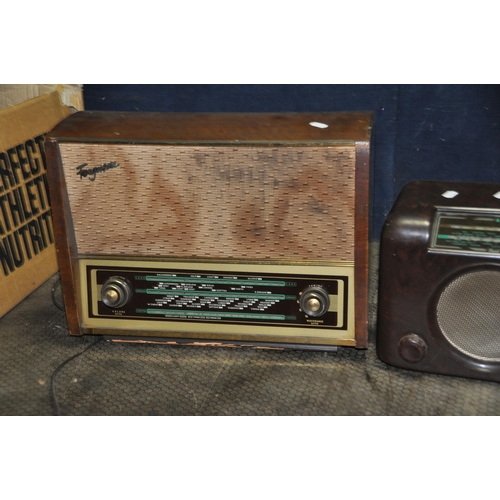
x=468, y=314
x=255, y=202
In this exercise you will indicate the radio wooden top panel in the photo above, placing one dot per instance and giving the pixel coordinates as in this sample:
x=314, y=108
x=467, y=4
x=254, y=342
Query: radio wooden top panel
x=214, y=200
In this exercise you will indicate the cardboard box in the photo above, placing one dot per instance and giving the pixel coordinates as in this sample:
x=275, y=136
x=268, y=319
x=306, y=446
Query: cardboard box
x=12, y=94
x=27, y=250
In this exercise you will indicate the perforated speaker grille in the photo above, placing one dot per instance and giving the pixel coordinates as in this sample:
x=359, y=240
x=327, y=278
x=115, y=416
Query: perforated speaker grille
x=468, y=314
x=253, y=202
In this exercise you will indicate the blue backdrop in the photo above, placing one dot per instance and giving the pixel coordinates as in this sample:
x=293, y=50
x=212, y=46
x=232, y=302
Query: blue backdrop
x=441, y=132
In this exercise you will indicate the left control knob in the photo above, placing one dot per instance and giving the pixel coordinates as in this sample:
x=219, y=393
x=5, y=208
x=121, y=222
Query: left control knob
x=116, y=292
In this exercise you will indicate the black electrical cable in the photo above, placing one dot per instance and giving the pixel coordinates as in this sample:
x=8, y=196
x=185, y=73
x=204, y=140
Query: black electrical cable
x=53, y=379
x=54, y=288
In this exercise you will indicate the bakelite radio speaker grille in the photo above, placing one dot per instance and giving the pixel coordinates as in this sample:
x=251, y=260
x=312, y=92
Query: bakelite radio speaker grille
x=468, y=313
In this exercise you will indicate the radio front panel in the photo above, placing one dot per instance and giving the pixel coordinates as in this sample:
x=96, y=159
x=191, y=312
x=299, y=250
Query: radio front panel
x=207, y=298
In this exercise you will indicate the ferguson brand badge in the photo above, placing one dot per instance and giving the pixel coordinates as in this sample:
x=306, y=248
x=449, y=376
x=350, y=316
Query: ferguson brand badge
x=92, y=172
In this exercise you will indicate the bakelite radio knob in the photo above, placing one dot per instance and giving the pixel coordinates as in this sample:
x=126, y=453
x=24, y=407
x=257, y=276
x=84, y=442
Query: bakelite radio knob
x=116, y=292
x=314, y=301
x=412, y=348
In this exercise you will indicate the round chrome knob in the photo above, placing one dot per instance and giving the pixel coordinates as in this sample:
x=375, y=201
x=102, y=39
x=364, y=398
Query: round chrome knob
x=314, y=301
x=116, y=292
x=111, y=297
x=313, y=304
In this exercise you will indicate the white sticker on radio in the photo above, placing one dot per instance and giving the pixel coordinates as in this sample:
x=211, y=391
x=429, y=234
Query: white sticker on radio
x=450, y=194
x=318, y=124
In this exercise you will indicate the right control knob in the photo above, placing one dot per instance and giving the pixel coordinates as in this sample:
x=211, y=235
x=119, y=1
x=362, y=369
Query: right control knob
x=314, y=301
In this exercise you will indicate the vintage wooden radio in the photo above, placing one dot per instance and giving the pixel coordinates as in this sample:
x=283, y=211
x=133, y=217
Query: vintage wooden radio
x=242, y=229
x=439, y=288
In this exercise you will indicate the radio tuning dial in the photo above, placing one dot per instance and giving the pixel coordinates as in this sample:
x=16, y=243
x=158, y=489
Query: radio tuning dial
x=314, y=301
x=116, y=292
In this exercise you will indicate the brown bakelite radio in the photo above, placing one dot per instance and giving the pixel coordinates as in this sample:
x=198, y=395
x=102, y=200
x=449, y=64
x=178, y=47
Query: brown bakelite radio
x=439, y=300
x=240, y=229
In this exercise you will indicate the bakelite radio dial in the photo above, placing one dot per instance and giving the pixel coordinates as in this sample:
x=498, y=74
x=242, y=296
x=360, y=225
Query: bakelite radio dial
x=412, y=348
